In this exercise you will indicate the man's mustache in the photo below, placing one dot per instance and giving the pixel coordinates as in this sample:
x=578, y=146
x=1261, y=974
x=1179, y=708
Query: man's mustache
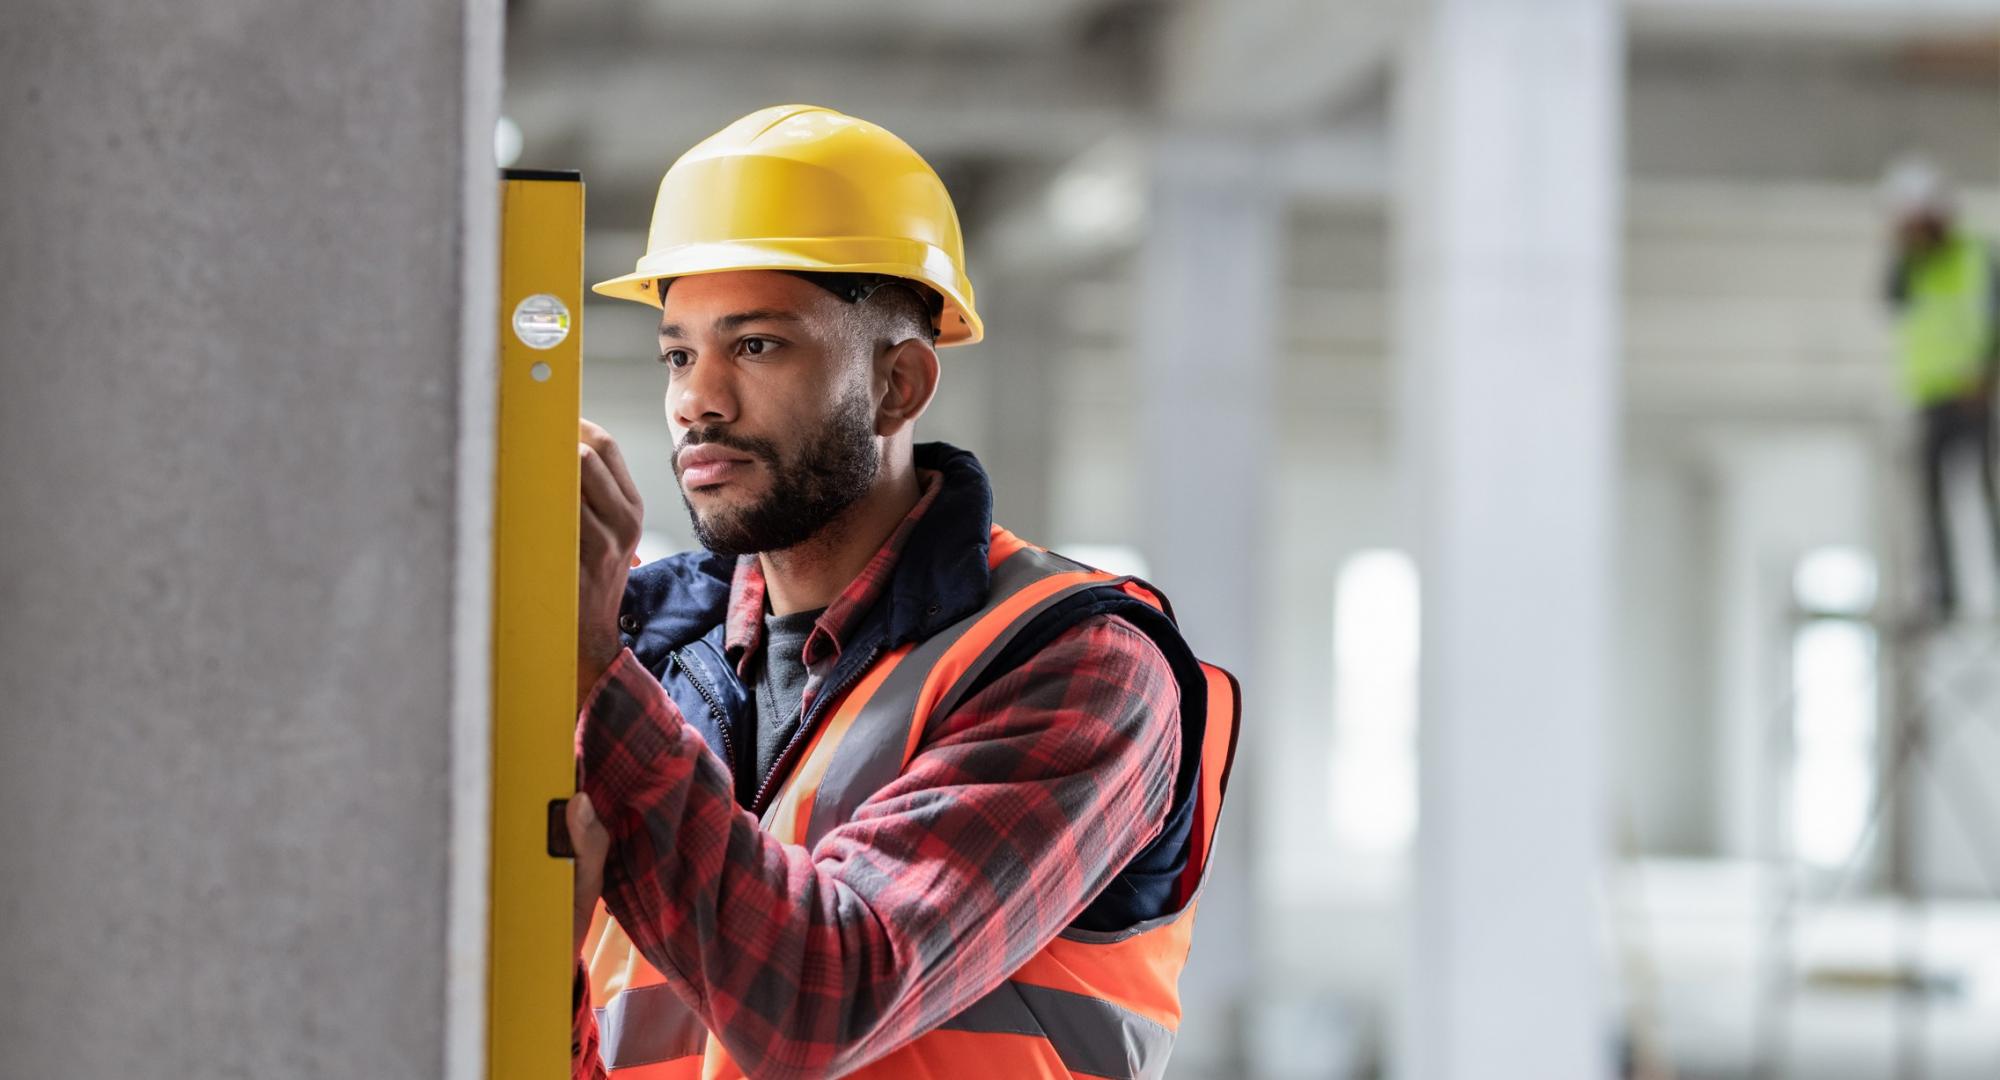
x=763, y=449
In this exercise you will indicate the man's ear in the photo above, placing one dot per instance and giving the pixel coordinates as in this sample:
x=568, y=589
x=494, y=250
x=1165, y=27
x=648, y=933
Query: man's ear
x=908, y=380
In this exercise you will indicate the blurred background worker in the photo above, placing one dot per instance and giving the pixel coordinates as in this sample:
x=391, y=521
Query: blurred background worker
x=1945, y=291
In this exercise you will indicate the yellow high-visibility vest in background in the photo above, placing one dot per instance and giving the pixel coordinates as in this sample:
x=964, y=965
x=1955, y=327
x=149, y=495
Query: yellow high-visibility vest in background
x=1945, y=327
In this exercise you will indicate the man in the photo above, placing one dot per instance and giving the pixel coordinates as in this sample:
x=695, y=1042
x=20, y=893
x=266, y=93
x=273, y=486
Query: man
x=1945, y=292
x=868, y=783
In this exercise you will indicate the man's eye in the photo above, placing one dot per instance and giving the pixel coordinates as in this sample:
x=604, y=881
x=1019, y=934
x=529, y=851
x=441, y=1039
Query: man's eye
x=676, y=358
x=758, y=346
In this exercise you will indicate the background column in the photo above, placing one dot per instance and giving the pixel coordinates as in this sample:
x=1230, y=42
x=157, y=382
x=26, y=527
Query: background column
x=1509, y=132
x=1208, y=307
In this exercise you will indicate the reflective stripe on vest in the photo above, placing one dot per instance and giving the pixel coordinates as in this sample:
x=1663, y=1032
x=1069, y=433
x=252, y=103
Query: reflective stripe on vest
x=1090, y=1035
x=1089, y=1003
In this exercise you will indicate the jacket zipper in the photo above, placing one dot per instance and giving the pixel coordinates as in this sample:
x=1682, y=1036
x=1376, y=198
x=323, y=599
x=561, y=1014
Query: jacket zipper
x=714, y=706
x=805, y=725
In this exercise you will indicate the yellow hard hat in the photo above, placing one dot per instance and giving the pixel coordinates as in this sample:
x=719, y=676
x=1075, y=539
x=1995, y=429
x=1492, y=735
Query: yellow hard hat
x=798, y=187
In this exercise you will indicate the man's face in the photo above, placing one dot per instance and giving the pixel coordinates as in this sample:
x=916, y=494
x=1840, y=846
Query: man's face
x=769, y=398
x=1918, y=232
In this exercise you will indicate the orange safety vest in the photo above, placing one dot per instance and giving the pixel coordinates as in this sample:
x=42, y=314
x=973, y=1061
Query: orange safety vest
x=1090, y=1003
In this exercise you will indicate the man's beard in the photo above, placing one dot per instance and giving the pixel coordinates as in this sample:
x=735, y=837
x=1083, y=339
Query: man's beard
x=831, y=472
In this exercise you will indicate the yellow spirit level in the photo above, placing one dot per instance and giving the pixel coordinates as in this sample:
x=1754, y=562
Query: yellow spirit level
x=534, y=623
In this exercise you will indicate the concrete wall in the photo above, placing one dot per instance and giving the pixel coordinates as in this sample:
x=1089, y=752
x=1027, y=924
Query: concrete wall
x=246, y=251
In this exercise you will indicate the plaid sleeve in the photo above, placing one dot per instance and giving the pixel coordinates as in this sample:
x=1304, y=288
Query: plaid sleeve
x=1017, y=810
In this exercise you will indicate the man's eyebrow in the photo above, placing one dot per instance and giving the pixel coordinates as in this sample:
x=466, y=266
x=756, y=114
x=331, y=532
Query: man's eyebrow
x=727, y=323
x=743, y=318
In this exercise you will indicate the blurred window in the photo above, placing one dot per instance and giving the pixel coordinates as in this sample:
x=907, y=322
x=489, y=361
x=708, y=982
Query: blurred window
x=1834, y=728
x=1375, y=644
x=1835, y=581
x=1110, y=558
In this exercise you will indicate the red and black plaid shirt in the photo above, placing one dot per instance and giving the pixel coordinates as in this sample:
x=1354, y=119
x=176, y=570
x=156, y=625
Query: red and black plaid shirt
x=1019, y=807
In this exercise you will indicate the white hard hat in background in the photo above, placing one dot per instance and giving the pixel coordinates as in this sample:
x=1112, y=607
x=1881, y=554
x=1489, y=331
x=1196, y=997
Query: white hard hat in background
x=1913, y=185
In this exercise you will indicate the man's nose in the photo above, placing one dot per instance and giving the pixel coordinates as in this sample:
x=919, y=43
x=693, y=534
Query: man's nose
x=702, y=395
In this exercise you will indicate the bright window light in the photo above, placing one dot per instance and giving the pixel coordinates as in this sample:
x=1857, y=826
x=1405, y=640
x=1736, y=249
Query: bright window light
x=1373, y=794
x=506, y=142
x=1835, y=705
x=1835, y=581
x=1100, y=196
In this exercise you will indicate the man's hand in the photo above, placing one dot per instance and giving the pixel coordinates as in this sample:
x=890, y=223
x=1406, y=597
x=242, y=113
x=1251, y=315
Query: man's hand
x=590, y=841
x=611, y=515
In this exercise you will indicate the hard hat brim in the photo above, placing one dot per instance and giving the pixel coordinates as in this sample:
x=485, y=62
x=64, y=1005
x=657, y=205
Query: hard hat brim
x=904, y=259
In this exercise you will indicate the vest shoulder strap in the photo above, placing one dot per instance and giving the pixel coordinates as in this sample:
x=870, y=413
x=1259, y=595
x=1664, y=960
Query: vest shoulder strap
x=888, y=714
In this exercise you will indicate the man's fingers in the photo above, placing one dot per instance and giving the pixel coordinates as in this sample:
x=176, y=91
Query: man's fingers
x=596, y=539
x=614, y=459
x=601, y=441
x=600, y=541
x=587, y=835
x=590, y=842
x=601, y=493
x=599, y=489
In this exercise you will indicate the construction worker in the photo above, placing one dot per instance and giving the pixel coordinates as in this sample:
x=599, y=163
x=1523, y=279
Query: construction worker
x=1945, y=290
x=868, y=784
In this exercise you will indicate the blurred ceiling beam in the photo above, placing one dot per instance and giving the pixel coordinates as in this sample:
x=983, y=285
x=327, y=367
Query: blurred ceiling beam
x=641, y=107
x=781, y=25
x=1096, y=205
x=1810, y=20
x=1289, y=63
x=1019, y=21
x=1274, y=63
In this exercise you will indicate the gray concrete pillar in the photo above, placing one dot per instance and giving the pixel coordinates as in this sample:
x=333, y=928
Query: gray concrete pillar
x=247, y=255
x=1510, y=172
x=1208, y=306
